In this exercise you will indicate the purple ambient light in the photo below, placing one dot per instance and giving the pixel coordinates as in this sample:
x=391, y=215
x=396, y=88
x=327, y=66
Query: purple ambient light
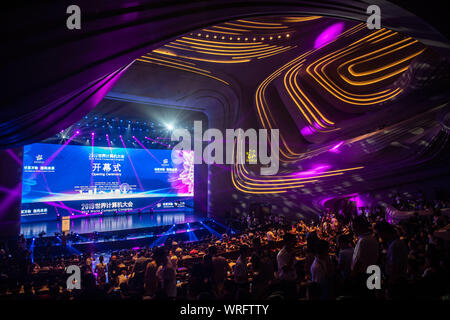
x=329, y=34
x=316, y=170
x=335, y=149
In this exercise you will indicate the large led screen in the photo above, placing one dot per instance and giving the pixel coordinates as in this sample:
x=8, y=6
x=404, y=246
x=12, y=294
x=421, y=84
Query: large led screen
x=85, y=180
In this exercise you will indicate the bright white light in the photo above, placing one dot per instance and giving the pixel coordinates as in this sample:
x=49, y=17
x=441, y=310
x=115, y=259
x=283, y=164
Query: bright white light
x=169, y=127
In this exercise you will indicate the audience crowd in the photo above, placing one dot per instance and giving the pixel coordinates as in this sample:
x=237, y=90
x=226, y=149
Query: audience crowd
x=268, y=258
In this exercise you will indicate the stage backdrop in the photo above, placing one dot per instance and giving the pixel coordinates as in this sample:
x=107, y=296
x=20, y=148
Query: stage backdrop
x=84, y=180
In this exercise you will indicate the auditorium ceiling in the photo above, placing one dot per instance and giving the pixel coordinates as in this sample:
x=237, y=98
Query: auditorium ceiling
x=354, y=106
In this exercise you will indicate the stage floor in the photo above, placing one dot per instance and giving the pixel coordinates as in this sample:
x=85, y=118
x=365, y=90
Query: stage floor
x=109, y=223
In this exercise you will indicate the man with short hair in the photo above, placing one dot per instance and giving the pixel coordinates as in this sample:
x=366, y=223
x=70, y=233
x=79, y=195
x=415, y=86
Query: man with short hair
x=366, y=250
x=397, y=254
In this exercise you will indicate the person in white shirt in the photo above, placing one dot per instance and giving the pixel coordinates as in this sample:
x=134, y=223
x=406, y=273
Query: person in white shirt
x=366, y=250
x=322, y=268
x=165, y=273
x=286, y=265
x=286, y=259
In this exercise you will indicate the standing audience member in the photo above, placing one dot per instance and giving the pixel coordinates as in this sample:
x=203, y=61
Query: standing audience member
x=286, y=266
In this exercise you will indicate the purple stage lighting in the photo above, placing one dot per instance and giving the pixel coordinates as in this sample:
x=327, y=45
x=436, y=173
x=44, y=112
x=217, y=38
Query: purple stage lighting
x=335, y=149
x=132, y=165
x=329, y=34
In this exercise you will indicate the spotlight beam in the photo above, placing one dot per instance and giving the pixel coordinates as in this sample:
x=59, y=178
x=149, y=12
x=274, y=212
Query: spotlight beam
x=148, y=151
x=110, y=150
x=132, y=165
x=53, y=156
x=166, y=145
x=92, y=158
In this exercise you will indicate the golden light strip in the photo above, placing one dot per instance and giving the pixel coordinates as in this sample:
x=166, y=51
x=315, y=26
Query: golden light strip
x=272, y=54
x=222, y=32
x=300, y=19
x=369, y=54
x=260, y=23
x=175, y=63
x=254, y=27
x=294, y=91
x=173, y=59
x=359, y=74
x=229, y=46
x=231, y=50
x=261, y=103
x=189, y=70
x=280, y=185
x=202, y=59
x=221, y=42
x=379, y=79
x=272, y=50
x=237, y=55
x=335, y=90
x=231, y=29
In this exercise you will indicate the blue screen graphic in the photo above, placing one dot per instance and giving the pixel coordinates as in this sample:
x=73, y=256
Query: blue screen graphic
x=84, y=180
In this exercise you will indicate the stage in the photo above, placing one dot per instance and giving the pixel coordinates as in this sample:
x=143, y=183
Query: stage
x=110, y=223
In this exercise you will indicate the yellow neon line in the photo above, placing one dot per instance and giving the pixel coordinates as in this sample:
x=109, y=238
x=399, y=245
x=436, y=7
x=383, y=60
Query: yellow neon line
x=324, y=174
x=236, y=55
x=381, y=39
x=178, y=64
x=248, y=46
x=261, y=52
x=293, y=99
x=260, y=99
x=300, y=19
x=204, y=60
x=222, y=32
x=244, y=50
x=260, y=23
x=176, y=60
x=379, y=50
x=312, y=104
x=364, y=83
x=221, y=42
x=254, y=27
x=171, y=66
x=253, y=192
x=360, y=74
x=272, y=54
x=328, y=86
x=261, y=89
x=232, y=29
